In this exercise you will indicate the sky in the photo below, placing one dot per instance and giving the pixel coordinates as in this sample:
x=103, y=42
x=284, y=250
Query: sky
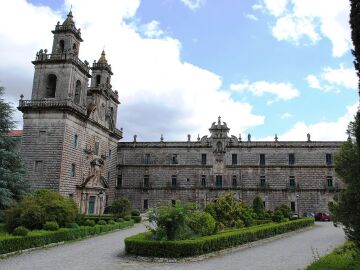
x=265, y=66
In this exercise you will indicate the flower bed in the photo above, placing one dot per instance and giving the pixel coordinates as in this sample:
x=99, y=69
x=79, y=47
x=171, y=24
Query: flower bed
x=142, y=245
x=9, y=243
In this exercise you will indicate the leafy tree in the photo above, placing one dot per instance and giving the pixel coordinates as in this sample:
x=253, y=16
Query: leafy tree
x=285, y=210
x=201, y=223
x=12, y=183
x=35, y=210
x=120, y=207
x=346, y=205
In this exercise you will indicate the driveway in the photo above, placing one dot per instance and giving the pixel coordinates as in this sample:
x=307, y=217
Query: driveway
x=106, y=252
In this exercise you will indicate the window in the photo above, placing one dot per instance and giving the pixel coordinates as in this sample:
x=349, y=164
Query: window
x=51, y=86
x=147, y=159
x=234, y=181
x=119, y=182
x=234, y=159
x=108, y=175
x=42, y=136
x=329, y=159
x=292, y=181
x=97, y=148
x=38, y=168
x=146, y=181
x=174, y=159
x=262, y=181
x=73, y=170
x=109, y=153
x=173, y=202
x=330, y=181
x=203, y=159
x=203, y=180
x=75, y=142
x=77, y=92
x=146, y=205
x=262, y=159
x=292, y=206
x=218, y=181
x=98, y=78
x=173, y=181
x=291, y=159
x=61, y=46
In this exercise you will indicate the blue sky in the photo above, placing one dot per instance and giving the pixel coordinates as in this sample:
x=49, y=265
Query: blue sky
x=265, y=66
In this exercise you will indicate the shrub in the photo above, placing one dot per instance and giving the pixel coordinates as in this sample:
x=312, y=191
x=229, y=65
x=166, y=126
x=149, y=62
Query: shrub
x=120, y=220
x=258, y=207
x=135, y=212
x=202, y=223
x=137, y=219
x=51, y=226
x=44, y=205
x=277, y=216
x=89, y=222
x=127, y=217
x=120, y=207
x=143, y=245
x=170, y=221
x=20, y=231
x=72, y=225
x=101, y=222
x=229, y=212
x=111, y=221
x=285, y=210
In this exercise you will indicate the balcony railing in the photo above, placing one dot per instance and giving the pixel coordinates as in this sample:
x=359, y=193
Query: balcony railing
x=51, y=103
x=71, y=57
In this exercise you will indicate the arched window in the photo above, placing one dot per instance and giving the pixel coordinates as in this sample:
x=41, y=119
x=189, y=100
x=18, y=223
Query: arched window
x=77, y=92
x=219, y=147
x=50, y=86
x=62, y=46
x=98, y=77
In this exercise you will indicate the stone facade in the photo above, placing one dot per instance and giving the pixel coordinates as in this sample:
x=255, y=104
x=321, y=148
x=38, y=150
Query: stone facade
x=70, y=145
x=298, y=174
x=69, y=140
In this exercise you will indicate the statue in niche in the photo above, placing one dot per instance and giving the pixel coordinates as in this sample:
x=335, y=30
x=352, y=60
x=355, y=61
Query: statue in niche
x=97, y=166
x=219, y=147
x=308, y=137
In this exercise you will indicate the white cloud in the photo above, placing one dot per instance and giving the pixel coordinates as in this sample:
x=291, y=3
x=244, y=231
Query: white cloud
x=257, y=7
x=251, y=17
x=282, y=91
x=332, y=78
x=194, y=4
x=299, y=19
x=159, y=92
x=313, y=81
x=321, y=131
x=285, y=115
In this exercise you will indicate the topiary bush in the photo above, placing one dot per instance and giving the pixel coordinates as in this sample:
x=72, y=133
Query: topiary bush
x=20, y=231
x=202, y=223
x=51, y=226
x=89, y=222
x=111, y=221
x=135, y=213
x=127, y=217
x=136, y=219
x=44, y=205
x=259, y=208
x=285, y=210
x=120, y=207
x=72, y=225
x=277, y=216
x=101, y=222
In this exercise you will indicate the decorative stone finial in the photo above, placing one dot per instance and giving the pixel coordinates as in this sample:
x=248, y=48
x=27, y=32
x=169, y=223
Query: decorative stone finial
x=249, y=137
x=308, y=137
x=161, y=138
x=135, y=136
x=121, y=129
x=276, y=138
x=240, y=137
x=21, y=97
x=198, y=138
x=219, y=120
x=189, y=137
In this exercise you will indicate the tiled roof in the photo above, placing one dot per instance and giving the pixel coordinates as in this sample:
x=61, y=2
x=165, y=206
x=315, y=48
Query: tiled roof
x=15, y=133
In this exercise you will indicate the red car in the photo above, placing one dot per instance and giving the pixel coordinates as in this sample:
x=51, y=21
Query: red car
x=322, y=217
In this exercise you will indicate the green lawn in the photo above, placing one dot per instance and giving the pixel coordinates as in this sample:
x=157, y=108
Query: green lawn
x=342, y=258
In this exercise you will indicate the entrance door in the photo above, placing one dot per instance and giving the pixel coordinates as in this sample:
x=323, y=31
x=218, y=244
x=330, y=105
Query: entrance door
x=91, y=207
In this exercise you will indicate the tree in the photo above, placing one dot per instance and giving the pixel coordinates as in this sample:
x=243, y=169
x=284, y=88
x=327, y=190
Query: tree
x=259, y=208
x=12, y=182
x=346, y=206
x=120, y=207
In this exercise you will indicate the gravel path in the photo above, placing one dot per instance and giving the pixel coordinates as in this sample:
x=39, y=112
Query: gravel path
x=106, y=252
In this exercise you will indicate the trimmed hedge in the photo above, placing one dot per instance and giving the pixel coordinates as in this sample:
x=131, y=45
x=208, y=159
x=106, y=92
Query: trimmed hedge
x=142, y=245
x=64, y=234
x=136, y=219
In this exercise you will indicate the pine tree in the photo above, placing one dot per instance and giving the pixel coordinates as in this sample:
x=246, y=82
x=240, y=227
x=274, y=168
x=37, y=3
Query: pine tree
x=346, y=206
x=12, y=183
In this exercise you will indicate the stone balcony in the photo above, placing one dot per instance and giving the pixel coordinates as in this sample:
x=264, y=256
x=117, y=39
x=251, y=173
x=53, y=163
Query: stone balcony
x=25, y=105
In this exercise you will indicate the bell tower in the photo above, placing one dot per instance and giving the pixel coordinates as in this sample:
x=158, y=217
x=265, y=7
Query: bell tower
x=69, y=136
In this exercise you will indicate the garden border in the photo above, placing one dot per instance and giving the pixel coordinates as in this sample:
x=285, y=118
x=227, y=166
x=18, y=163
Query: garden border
x=138, y=245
